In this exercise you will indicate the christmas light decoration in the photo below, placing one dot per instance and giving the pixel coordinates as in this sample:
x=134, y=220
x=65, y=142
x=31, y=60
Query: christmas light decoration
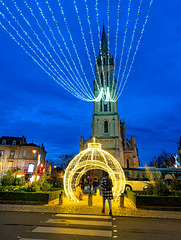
x=93, y=158
x=124, y=39
x=35, y=27
x=75, y=49
x=99, y=36
x=93, y=46
x=117, y=31
x=138, y=43
x=130, y=47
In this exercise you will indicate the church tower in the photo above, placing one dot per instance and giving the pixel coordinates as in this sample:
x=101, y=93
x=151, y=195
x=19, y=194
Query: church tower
x=106, y=122
x=106, y=125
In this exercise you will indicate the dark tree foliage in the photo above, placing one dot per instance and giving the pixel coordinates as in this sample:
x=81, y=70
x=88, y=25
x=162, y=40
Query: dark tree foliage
x=163, y=160
x=62, y=161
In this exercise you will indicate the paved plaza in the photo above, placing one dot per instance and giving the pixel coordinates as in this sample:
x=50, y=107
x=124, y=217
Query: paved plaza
x=70, y=207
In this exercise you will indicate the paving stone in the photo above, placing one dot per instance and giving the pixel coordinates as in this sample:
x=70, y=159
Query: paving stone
x=82, y=207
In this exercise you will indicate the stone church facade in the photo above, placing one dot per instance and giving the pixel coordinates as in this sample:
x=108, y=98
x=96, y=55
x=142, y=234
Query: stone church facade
x=106, y=125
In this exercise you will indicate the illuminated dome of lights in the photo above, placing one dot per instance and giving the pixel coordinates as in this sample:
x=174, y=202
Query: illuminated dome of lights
x=93, y=158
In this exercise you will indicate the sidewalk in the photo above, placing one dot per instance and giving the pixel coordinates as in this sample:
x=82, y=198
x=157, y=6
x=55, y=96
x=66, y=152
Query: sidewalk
x=69, y=207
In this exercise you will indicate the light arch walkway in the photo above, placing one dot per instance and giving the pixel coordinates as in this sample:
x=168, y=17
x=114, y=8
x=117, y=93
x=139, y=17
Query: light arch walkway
x=93, y=158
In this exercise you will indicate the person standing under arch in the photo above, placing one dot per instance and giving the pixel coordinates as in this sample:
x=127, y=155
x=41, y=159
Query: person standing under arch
x=107, y=192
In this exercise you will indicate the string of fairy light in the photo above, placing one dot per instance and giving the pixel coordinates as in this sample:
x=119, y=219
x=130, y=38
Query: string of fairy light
x=130, y=46
x=92, y=42
x=43, y=30
x=75, y=49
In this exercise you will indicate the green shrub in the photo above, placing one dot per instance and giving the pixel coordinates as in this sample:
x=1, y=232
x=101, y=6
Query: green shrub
x=175, y=185
x=160, y=189
x=177, y=193
x=55, y=182
x=29, y=196
x=8, y=179
x=55, y=189
x=54, y=195
x=23, y=197
x=45, y=186
x=149, y=189
x=34, y=187
x=157, y=189
x=19, y=181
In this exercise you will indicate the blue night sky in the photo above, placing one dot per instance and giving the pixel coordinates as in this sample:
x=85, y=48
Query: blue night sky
x=34, y=105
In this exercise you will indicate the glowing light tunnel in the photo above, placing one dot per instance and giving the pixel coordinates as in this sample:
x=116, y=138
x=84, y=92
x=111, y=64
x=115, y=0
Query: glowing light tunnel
x=93, y=158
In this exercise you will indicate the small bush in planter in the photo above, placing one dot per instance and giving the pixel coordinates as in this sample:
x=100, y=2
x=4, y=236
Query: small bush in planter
x=34, y=187
x=149, y=189
x=45, y=186
x=175, y=185
x=157, y=189
x=160, y=189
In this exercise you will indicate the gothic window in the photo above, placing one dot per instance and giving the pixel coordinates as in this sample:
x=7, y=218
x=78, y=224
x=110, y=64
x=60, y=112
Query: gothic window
x=105, y=107
x=14, y=142
x=104, y=60
x=4, y=142
x=107, y=79
x=106, y=127
x=127, y=163
x=101, y=105
x=101, y=79
x=109, y=106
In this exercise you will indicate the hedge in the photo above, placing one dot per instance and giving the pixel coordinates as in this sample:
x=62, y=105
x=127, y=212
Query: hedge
x=153, y=201
x=29, y=196
x=158, y=201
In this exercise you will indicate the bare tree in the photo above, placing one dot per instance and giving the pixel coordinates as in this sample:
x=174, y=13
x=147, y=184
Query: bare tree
x=163, y=160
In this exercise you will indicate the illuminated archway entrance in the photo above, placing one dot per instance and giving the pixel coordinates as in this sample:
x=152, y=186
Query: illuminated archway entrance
x=93, y=158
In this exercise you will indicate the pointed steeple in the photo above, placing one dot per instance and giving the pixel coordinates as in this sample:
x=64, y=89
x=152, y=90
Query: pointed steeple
x=104, y=44
x=104, y=56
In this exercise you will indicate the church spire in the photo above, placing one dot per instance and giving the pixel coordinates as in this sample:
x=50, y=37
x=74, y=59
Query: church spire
x=104, y=56
x=104, y=44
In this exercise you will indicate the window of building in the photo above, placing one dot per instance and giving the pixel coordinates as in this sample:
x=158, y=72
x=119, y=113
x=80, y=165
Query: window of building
x=107, y=79
x=25, y=153
x=35, y=154
x=106, y=127
x=22, y=166
x=101, y=79
x=101, y=105
x=31, y=167
x=10, y=164
x=4, y=142
x=105, y=107
x=104, y=60
x=127, y=163
x=1, y=153
x=14, y=142
x=12, y=154
x=109, y=106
